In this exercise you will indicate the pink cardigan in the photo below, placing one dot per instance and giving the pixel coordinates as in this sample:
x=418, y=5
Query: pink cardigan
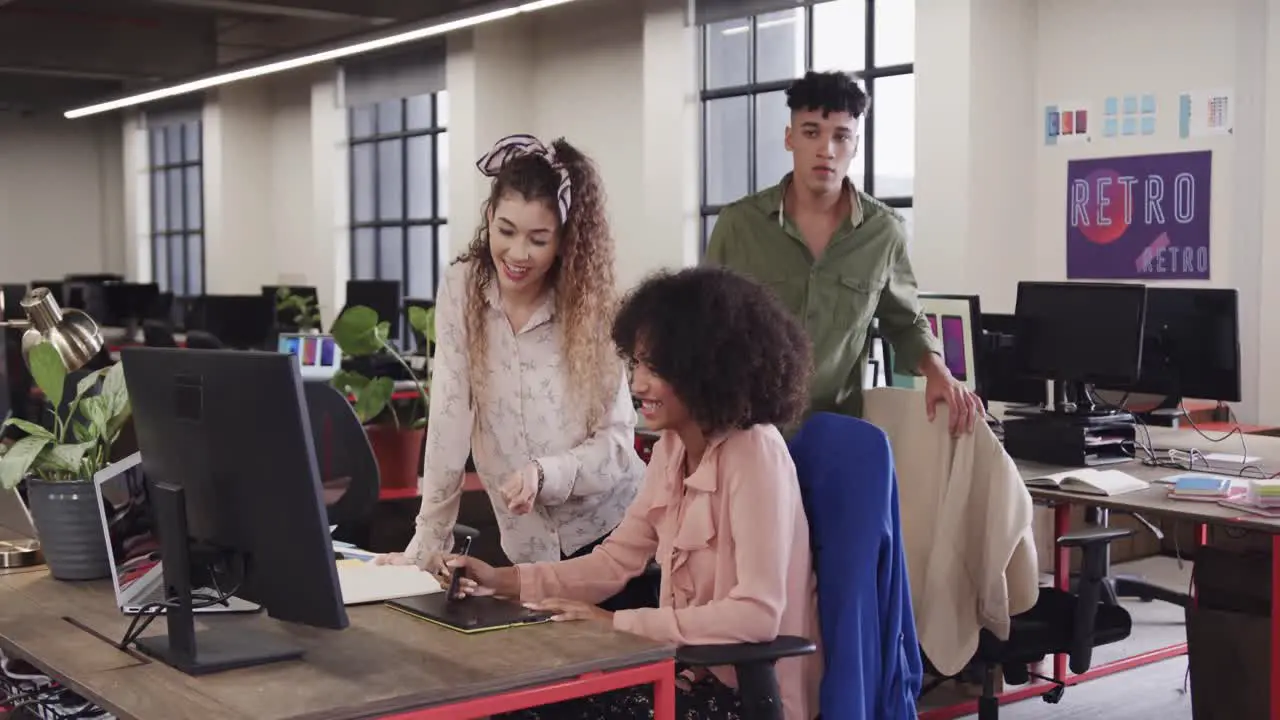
x=733, y=544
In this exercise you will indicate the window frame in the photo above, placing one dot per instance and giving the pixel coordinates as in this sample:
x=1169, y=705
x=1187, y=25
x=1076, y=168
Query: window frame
x=403, y=222
x=753, y=89
x=163, y=276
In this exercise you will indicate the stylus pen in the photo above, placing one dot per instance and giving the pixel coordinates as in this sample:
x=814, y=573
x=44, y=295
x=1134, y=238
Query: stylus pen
x=455, y=581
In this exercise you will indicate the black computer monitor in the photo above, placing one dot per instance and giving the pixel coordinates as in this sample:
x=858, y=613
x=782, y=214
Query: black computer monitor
x=257, y=510
x=1001, y=377
x=383, y=296
x=1191, y=345
x=1081, y=335
x=242, y=322
x=287, y=319
x=128, y=304
x=11, y=301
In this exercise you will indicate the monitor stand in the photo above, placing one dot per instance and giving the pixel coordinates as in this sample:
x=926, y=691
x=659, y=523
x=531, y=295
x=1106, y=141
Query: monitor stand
x=205, y=652
x=1073, y=402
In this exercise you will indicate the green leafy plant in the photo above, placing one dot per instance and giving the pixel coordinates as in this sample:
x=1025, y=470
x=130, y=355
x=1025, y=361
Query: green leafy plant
x=305, y=309
x=80, y=442
x=361, y=333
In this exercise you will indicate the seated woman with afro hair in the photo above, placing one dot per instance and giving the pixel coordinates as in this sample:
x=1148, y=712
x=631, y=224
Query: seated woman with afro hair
x=718, y=365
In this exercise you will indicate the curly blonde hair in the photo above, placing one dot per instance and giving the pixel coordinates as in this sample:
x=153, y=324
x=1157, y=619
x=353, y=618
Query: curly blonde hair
x=582, y=276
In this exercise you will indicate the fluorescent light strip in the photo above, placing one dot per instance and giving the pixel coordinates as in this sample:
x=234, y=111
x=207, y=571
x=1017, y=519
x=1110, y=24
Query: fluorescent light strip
x=313, y=59
x=761, y=25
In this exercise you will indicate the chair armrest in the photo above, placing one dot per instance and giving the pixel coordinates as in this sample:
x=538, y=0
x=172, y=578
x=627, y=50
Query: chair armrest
x=744, y=653
x=1092, y=537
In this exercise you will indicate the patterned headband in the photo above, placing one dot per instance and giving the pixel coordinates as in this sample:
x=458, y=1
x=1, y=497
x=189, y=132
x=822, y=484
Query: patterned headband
x=514, y=146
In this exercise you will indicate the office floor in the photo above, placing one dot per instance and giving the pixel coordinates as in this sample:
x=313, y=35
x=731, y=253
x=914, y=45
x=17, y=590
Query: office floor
x=1153, y=692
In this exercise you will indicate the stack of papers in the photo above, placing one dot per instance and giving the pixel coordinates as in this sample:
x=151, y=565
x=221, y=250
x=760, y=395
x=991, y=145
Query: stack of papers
x=1191, y=486
x=1264, y=493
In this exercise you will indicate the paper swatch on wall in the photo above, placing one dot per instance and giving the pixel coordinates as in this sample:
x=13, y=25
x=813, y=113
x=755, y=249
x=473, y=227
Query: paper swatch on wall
x=1066, y=123
x=1206, y=113
x=1129, y=115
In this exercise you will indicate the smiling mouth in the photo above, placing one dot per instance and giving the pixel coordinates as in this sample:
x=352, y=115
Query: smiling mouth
x=513, y=271
x=646, y=406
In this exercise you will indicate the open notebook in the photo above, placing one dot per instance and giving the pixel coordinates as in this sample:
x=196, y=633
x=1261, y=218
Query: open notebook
x=1090, y=482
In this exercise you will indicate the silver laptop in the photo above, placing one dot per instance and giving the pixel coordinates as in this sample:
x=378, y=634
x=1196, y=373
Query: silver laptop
x=133, y=546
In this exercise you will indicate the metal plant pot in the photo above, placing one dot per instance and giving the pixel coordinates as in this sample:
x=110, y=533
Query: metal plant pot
x=69, y=523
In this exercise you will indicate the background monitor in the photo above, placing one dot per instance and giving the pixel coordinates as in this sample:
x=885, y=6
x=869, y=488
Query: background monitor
x=1002, y=377
x=11, y=301
x=128, y=304
x=257, y=509
x=383, y=296
x=318, y=356
x=242, y=322
x=1191, y=345
x=954, y=320
x=287, y=319
x=1081, y=332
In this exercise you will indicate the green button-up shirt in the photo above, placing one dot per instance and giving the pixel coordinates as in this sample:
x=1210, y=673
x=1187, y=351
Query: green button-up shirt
x=864, y=274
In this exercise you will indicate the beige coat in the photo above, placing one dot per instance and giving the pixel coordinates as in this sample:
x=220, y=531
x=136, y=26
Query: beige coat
x=966, y=526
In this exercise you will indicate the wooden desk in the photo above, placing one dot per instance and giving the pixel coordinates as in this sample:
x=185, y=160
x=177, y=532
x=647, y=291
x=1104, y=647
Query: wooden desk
x=385, y=664
x=1152, y=502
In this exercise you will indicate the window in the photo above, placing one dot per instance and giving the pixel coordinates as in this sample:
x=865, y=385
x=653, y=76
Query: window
x=748, y=65
x=399, y=202
x=177, y=207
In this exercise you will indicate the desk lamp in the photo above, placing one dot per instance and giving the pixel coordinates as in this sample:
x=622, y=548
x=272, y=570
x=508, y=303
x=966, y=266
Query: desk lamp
x=76, y=338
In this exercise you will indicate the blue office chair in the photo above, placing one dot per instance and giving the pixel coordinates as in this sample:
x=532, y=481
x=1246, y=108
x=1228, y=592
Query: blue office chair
x=872, y=666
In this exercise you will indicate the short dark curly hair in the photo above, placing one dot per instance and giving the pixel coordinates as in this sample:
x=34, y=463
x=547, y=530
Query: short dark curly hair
x=729, y=349
x=830, y=92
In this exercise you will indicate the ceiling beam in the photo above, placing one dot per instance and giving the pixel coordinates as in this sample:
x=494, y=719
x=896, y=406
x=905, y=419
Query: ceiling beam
x=121, y=50
x=310, y=11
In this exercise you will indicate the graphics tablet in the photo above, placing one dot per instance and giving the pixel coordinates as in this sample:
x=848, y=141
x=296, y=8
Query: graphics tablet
x=469, y=615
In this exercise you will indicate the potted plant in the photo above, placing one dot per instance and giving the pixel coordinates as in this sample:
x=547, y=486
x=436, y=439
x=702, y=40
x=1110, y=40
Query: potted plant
x=58, y=464
x=303, y=308
x=396, y=427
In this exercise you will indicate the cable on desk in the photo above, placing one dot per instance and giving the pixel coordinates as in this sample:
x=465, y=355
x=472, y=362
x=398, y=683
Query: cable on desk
x=149, y=612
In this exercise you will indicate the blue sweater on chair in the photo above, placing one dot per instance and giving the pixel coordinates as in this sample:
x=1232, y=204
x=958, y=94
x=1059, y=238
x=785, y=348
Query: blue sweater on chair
x=872, y=668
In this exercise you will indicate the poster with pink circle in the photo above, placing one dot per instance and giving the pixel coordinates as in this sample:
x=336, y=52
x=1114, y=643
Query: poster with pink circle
x=1141, y=217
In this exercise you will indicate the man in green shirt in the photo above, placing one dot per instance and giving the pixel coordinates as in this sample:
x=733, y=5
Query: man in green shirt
x=837, y=257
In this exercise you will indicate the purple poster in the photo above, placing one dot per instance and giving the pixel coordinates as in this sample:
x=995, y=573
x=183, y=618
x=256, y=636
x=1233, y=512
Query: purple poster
x=1140, y=217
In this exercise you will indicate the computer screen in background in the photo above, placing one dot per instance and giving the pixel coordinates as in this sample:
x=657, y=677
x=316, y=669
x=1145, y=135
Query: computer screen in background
x=319, y=357
x=382, y=296
x=954, y=320
x=1191, y=345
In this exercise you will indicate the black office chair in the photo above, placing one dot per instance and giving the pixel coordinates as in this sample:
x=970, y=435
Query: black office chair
x=348, y=470
x=201, y=340
x=1119, y=586
x=1060, y=623
x=157, y=334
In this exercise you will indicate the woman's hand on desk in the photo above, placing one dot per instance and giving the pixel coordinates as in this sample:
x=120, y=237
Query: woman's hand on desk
x=430, y=562
x=566, y=610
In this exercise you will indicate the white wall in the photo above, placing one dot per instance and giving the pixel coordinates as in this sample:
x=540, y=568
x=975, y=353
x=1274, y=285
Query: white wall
x=989, y=202
x=62, y=206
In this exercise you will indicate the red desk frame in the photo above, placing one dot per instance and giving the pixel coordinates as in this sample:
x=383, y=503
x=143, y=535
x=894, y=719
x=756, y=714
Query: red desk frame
x=1061, y=579
x=662, y=675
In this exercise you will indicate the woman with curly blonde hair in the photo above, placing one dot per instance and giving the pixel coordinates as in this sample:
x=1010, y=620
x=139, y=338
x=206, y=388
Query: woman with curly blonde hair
x=525, y=374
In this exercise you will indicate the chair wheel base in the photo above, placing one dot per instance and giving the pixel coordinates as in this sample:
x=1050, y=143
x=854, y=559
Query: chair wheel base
x=1055, y=695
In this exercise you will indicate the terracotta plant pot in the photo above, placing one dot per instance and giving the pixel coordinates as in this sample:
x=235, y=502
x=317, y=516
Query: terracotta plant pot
x=69, y=522
x=398, y=451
